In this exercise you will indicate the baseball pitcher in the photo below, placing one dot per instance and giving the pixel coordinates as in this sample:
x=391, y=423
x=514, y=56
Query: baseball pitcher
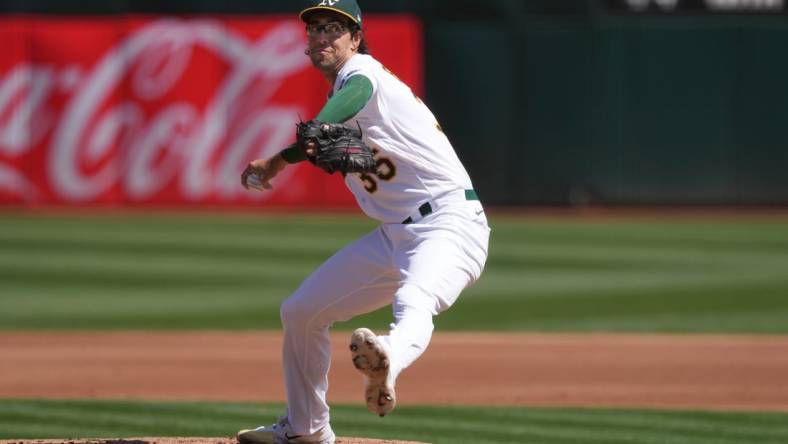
x=431, y=242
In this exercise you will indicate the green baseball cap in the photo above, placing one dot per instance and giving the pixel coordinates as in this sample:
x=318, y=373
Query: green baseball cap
x=348, y=8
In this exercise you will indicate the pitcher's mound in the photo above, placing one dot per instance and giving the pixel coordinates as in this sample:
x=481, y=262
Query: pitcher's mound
x=171, y=440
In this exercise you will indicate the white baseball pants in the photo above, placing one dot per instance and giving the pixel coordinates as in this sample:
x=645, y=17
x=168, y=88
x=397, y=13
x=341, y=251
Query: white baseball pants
x=418, y=268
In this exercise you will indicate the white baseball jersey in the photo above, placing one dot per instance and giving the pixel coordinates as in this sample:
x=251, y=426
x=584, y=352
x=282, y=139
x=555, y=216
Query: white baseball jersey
x=417, y=162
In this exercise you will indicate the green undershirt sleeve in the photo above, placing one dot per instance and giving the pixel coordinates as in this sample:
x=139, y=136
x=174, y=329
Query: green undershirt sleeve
x=343, y=105
x=348, y=101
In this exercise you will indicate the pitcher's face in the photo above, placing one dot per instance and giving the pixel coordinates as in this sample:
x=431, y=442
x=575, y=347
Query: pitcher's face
x=330, y=41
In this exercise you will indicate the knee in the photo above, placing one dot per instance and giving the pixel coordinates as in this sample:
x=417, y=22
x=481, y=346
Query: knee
x=292, y=312
x=414, y=301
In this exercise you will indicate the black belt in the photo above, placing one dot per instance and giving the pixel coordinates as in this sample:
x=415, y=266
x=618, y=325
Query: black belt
x=426, y=208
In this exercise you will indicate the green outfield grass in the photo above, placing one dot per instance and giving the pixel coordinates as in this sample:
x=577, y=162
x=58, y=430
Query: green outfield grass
x=197, y=271
x=454, y=425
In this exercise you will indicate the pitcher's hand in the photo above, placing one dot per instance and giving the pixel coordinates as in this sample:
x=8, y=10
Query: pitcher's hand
x=258, y=173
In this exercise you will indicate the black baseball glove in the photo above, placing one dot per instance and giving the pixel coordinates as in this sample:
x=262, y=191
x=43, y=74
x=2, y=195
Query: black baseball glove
x=335, y=147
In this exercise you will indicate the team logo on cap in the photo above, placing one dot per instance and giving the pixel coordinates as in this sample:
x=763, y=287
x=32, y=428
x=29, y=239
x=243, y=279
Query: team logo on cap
x=328, y=3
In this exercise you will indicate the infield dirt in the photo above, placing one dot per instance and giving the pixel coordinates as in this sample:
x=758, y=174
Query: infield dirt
x=670, y=371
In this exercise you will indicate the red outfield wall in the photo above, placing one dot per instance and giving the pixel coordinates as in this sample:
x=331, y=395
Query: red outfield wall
x=139, y=110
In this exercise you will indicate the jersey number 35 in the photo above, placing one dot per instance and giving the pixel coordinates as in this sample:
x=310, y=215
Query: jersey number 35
x=385, y=171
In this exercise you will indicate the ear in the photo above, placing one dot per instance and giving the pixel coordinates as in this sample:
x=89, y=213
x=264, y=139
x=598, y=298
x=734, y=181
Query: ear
x=356, y=39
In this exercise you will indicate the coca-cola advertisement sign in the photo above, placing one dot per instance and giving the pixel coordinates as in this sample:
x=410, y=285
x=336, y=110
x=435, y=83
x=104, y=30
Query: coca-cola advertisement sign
x=150, y=110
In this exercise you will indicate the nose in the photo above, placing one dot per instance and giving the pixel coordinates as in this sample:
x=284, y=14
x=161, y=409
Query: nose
x=320, y=38
x=318, y=44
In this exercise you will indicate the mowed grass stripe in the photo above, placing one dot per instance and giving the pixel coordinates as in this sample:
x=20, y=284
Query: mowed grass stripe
x=542, y=274
x=749, y=307
x=623, y=256
x=184, y=242
x=78, y=265
x=705, y=232
x=58, y=419
x=457, y=425
x=550, y=284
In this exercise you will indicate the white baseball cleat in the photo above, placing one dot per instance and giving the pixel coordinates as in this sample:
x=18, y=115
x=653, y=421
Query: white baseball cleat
x=371, y=358
x=281, y=433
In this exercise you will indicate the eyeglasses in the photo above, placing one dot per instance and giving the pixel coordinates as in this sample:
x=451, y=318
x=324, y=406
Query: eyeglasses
x=331, y=29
